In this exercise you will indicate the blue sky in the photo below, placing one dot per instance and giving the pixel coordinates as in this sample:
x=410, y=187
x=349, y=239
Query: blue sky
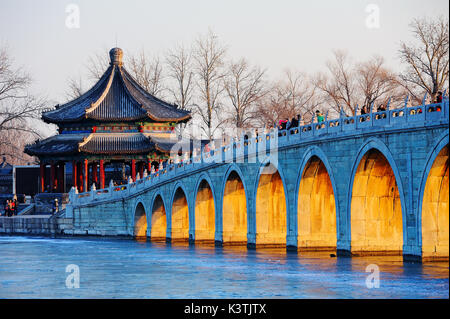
x=273, y=34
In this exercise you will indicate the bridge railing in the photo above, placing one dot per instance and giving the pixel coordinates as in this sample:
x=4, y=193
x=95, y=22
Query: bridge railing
x=257, y=143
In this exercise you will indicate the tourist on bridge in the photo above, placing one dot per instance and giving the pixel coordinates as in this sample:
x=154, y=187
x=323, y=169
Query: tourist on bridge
x=381, y=108
x=294, y=121
x=282, y=124
x=363, y=110
x=439, y=97
x=320, y=117
x=439, y=100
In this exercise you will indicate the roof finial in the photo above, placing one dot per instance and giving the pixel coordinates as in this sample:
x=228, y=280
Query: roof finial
x=116, y=55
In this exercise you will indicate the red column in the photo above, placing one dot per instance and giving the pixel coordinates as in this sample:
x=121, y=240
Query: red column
x=52, y=177
x=42, y=177
x=89, y=177
x=94, y=174
x=149, y=166
x=80, y=177
x=85, y=176
x=74, y=174
x=102, y=175
x=61, y=177
x=141, y=169
x=133, y=170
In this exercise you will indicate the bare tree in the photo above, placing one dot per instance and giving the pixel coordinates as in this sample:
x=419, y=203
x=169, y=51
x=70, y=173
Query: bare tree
x=148, y=72
x=13, y=81
x=340, y=86
x=244, y=86
x=75, y=88
x=209, y=55
x=97, y=65
x=289, y=97
x=180, y=70
x=300, y=93
x=12, y=143
x=427, y=60
x=272, y=107
x=17, y=108
x=376, y=83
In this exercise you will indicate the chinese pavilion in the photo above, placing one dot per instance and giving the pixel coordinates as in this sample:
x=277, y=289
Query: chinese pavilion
x=116, y=121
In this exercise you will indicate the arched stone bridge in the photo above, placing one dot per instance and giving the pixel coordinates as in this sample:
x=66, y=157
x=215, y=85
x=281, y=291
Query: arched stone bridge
x=374, y=183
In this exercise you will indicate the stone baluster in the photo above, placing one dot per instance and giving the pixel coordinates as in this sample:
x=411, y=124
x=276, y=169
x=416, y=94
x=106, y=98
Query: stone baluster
x=93, y=191
x=111, y=188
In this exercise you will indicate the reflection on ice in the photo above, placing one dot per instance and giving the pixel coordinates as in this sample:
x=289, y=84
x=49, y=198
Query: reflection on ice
x=33, y=267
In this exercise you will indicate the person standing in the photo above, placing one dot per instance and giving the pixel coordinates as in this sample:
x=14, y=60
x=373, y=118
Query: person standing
x=439, y=97
x=55, y=206
x=363, y=110
x=319, y=116
x=7, y=208
x=15, y=204
x=10, y=208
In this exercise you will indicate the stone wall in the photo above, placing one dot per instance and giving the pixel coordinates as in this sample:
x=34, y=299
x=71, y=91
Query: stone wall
x=109, y=219
x=45, y=225
x=44, y=202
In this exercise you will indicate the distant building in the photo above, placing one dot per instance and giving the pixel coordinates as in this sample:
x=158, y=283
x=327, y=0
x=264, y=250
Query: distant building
x=115, y=123
x=6, y=177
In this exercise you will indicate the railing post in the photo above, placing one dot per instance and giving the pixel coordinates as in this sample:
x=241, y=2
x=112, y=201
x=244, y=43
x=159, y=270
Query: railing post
x=444, y=102
x=371, y=114
x=111, y=187
x=93, y=191
x=388, y=112
x=424, y=98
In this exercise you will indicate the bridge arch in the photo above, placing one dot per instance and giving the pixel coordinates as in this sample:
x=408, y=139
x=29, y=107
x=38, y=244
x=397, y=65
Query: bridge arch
x=270, y=206
x=373, y=229
x=158, y=223
x=204, y=210
x=234, y=207
x=180, y=214
x=140, y=221
x=316, y=202
x=433, y=206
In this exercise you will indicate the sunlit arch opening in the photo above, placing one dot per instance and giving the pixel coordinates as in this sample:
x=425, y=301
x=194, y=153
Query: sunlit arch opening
x=234, y=211
x=316, y=208
x=180, y=217
x=435, y=206
x=140, y=223
x=270, y=209
x=159, y=221
x=376, y=212
x=204, y=214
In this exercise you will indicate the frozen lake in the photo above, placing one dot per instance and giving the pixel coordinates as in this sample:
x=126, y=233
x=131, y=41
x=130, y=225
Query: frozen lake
x=33, y=267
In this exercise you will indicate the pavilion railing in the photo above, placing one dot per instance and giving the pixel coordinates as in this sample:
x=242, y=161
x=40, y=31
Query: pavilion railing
x=256, y=144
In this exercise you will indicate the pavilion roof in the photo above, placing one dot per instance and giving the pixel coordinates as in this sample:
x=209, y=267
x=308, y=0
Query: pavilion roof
x=116, y=97
x=101, y=143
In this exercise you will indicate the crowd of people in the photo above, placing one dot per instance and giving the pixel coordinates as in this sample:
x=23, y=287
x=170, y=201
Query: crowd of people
x=287, y=124
x=11, y=207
